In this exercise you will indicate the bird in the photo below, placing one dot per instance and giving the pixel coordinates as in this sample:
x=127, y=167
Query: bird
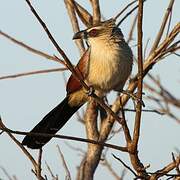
x=104, y=66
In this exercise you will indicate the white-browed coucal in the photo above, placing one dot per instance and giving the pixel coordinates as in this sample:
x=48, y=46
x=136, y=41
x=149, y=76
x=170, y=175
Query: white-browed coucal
x=105, y=65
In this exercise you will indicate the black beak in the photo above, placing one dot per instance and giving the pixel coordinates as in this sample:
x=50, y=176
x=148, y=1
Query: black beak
x=80, y=35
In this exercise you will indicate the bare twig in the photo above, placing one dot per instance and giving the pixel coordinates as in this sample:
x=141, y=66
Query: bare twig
x=84, y=15
x=5, y=129
x=123, y=173
x=114, y=132
x=140, y=77
x=125, y=126
x=70, y=5
x=96, y=11
x=127, y=14
x=177, y=164
x=68, y=175
x=166, y=169
x=39, y=165
x=130, y=36
x=165, y=98
x=32, y=73
x=51, y=173
x=135, y=161
x=6, y=173
x=14, y=177
x=29, y=48
x=75, y=148
x=163, y=25
x=111, y=170
x=169, y=22
x=29, y=156
x=124, y=9
x=126, y=166
x=146, y=110
x=145, y=49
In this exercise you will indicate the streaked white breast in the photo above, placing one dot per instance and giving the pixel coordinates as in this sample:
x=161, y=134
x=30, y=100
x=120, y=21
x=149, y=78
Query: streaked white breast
x=110, y=65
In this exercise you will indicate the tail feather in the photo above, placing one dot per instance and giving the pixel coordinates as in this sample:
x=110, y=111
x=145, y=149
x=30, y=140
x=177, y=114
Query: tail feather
x=50, y=124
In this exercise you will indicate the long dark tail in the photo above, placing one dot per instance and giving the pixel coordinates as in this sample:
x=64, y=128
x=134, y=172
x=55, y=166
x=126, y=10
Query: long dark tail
x=50, y=124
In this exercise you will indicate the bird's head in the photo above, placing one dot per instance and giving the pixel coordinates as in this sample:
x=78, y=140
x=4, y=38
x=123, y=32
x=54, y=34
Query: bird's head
x=103, y=30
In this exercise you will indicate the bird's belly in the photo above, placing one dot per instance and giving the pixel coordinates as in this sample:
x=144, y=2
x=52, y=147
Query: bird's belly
x=109, y=74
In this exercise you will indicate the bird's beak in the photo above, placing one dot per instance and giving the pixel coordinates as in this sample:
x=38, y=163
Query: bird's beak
x=80, y=35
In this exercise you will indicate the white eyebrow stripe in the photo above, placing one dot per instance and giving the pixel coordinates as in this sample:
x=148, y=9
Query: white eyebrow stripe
x=94, y=28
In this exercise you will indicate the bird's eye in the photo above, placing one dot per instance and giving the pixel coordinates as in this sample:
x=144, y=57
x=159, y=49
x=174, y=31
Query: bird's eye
x=93, y=33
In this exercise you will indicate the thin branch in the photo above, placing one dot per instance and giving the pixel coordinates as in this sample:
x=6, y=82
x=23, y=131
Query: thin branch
x=50, y=171
x=14, y=177
x=5, y=129
x=145, y=49
x=127, y=14
x=146, y=110
x=125, y=126
x=177, y=164
x=163, y=109
x=32, y=73
x=29, y=48
x=166, y=169
x=111, y=170
x=29, y=156
x=171, y=50
x=84, y=15
x=6, y=173
x=162, y=92
x=158, y=53
x=123, y=149
x=163, y=25
x=68, y=175
x=70, y=6
x=130, y=36
x=96, y=11
x=124, y=9
x=114, y=132
x=123, y=173
x=133, y=147
x=140, y=77
x=75, y=148
x=126, y=166
x=39, y=165
x=169, y=22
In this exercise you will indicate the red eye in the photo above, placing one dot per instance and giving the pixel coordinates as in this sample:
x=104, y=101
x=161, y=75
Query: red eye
x=93, y=33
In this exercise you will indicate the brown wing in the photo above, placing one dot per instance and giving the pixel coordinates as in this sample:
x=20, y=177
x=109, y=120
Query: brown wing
x=82, y=69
